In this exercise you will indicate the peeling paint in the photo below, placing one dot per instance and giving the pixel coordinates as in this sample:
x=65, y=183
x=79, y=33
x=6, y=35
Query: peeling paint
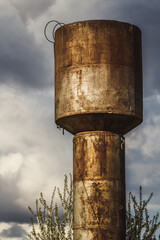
x=98, y=76
x=98, y=97
x=99, y=186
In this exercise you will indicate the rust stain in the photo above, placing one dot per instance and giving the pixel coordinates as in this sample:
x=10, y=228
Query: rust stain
x=99, y=186
x=98, y=97
x=98, y=76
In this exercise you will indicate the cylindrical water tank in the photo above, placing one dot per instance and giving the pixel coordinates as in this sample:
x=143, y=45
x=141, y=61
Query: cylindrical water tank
x=98, y=76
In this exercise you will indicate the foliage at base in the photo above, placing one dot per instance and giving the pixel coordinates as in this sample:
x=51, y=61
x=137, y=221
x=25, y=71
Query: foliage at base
x=138, y=225
x=56, y=223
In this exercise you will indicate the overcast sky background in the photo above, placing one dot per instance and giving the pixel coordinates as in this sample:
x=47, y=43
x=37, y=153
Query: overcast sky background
x=34, y=155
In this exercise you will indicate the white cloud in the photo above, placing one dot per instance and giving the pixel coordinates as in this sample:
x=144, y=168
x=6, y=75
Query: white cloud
x=34, y=153
x=4, y=225
x=31, y=9
x=143, y=151
x=147, y=137
x=155, y=207
x=14, y=231
x=10, y=163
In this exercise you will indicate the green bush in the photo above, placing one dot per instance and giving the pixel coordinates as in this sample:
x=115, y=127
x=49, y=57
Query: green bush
x=56, y=222
x=138, y=224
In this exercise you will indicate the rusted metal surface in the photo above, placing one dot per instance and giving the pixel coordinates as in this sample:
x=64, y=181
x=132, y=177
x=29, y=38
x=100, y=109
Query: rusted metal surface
x=99, y=186
x=98, y=76
x=98, y=97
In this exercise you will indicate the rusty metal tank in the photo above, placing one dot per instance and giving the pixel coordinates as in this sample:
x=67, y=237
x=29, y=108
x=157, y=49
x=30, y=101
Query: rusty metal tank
x=98, y=76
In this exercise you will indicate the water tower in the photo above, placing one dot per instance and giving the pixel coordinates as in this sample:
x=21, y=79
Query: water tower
x=98, y=98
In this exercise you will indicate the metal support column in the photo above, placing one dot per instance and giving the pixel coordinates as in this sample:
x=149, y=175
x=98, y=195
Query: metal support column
x=99, y=186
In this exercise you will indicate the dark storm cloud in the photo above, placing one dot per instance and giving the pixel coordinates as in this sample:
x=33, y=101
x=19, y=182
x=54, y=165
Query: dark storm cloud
x=9, y=210
x=139, y=169
x=22, y=60
x=146, y=15
x=143, y=13
x=30, y=8
x=14, y=231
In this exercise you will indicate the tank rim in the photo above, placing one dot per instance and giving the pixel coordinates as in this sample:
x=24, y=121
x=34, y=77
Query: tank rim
x=98, y=132
x=98, y=20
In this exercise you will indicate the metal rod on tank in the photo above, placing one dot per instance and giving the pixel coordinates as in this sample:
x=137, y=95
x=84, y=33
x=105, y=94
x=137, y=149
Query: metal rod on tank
x=99, y=186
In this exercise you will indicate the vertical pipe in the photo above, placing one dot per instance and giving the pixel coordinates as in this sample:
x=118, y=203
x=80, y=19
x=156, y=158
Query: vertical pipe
x=99, y=186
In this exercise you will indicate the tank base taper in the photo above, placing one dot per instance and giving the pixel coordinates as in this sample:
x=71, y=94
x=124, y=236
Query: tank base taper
x=99, y=186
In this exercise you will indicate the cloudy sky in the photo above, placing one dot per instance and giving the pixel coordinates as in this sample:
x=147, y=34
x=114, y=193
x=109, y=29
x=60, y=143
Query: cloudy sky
x=34, y=155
